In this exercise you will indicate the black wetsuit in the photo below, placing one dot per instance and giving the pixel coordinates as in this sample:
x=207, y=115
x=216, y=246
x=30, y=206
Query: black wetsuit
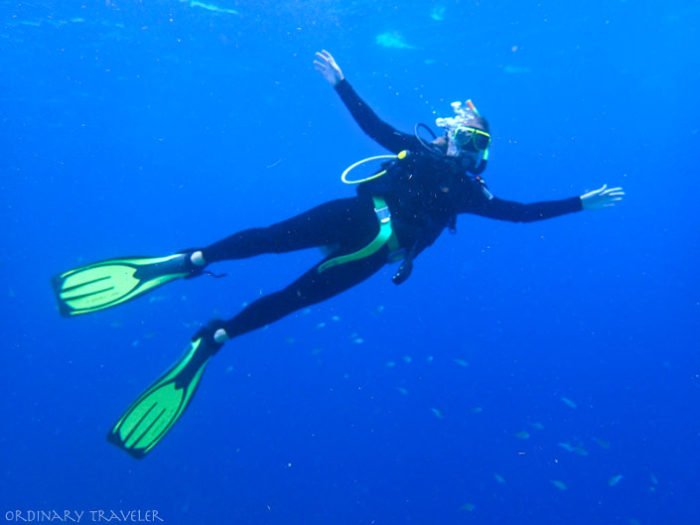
x=423, y=201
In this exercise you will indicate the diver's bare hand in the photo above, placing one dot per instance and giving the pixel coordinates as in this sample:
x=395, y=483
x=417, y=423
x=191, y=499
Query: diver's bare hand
x=327, y=66
x=603, y=197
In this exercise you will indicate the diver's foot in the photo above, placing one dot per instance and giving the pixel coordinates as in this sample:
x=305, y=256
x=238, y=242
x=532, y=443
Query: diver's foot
x=213, y=336
x=197, y=259
x=192, y=261
x=221, y=336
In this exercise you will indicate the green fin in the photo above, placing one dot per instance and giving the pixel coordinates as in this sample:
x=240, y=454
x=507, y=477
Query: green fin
x=154, y=413
x=108, y=283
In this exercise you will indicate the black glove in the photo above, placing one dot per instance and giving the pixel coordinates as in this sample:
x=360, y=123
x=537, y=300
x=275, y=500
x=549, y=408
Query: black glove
x=404, y=272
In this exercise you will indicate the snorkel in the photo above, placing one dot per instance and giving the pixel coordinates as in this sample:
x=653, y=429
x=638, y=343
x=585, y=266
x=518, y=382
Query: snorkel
x=460, y=125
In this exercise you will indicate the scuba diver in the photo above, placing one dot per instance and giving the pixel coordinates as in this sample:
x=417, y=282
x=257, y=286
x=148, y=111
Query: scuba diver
x=397, y=213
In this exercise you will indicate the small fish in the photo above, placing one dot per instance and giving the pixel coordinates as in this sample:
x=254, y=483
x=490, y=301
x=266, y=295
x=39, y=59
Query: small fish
x=407, y=359
x=437, y=413
x=574, y=449
x=390, y=364
x=566, y=446
x=477, y=410
x=523, y=434
x=461, y=362
x=601, y=443
x=437, y=13
x=510, y=69
x=500, y=479
x=468, y=507
x=212, y=7
x=559, y=484
x=568, y=402
x=580, y=451
x=402, y=390
x=615, y=480
x=392, y=40
x=537, y=425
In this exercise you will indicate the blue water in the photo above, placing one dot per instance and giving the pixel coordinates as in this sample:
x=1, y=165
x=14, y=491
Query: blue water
x=538, y=374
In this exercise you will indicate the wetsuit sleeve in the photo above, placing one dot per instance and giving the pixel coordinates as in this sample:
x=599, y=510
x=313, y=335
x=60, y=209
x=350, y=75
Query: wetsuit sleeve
x=381, y=132
x=504, y=210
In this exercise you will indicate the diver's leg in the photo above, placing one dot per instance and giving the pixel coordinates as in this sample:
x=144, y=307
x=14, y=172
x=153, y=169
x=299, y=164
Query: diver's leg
x=311, y=288
x=152, y=415
x=330, y=223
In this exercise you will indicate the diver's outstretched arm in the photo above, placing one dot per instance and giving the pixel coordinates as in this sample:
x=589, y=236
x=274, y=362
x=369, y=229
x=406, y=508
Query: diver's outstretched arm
x=328, y=67
x=603, y=197
x=384, y=134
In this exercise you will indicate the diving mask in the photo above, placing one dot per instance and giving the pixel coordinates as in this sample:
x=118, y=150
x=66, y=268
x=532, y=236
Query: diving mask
x=466, y=140
x=459, y=128
x=469, y=137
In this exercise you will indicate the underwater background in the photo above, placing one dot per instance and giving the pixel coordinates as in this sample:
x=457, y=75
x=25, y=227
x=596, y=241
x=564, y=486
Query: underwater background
x=540, y=374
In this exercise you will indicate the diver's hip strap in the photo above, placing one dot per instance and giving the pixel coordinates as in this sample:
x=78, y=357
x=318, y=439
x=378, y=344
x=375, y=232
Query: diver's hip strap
x=385, y=236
